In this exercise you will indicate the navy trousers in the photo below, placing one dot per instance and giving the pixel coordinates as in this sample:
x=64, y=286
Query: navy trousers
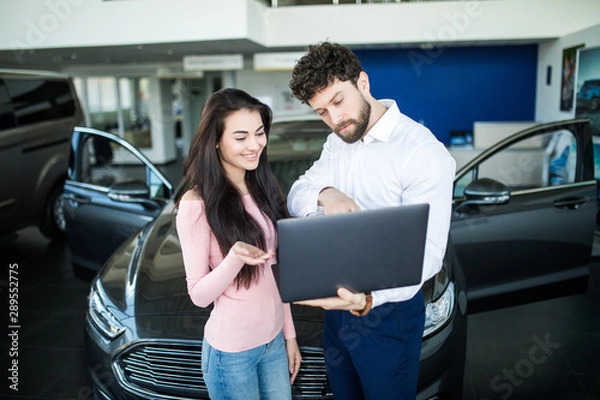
x=375, y=357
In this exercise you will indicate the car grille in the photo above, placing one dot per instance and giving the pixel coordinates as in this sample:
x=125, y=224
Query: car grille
x=173, y=371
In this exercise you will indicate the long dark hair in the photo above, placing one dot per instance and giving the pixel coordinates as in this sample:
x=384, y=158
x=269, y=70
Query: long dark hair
x=223, y=203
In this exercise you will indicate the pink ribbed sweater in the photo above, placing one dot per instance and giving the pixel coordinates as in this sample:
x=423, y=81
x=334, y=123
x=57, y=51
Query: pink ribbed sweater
x=241, y=318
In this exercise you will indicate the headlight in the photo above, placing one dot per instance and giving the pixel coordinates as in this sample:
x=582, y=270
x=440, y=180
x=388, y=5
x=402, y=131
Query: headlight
x=437, y=313
x=101, y=316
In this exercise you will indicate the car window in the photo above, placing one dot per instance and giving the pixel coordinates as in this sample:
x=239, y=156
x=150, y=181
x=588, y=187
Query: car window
x=105, y=162
x=7, y=117
x=38, y=100
x=294, y=147
x=596, y=142
x=543, y=160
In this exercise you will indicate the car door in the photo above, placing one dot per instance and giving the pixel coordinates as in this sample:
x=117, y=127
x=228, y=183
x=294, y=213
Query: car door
x=11, y=165
x=112, y=191
x=525, y=210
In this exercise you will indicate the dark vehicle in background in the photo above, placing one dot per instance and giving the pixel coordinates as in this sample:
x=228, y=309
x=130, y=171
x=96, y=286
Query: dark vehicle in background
x=523, y=216
x=588, y=96
x=38, y=111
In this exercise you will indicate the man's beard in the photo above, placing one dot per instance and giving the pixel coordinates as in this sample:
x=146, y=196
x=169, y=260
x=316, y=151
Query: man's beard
x=361, y=123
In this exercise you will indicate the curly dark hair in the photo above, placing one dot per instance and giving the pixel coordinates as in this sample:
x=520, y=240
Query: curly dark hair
x=321, y=66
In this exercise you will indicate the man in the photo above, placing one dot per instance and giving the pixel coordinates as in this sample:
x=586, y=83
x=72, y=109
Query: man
x=377, y=157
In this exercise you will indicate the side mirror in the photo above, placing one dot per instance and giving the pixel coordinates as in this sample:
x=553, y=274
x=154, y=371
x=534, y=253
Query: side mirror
x=486, y=192
x=132, y=192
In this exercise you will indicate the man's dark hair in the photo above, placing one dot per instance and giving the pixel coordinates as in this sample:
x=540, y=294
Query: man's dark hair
x=320, y=67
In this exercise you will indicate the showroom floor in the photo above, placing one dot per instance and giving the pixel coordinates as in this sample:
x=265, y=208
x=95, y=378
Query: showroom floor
x=548, y=349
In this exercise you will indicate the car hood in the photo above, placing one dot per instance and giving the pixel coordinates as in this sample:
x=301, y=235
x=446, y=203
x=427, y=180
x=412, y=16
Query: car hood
x=145, y=279
x=145, y=276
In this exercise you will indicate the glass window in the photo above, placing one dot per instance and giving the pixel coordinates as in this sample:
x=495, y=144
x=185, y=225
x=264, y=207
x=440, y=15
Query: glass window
x=105, y=162
x=596, y=142
x=7, y=117
x=120, y=106
x=294, y=147
x=135, y=97
x=102, y=103
x=157, y=187
x=61, y=97
x=38, y=100
x=543, y=160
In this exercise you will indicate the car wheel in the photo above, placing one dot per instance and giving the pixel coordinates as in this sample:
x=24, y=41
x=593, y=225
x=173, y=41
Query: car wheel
x=594, y=103
x=53, y=222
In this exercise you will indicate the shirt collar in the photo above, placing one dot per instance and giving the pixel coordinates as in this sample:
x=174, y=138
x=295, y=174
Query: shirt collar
x=385, y=126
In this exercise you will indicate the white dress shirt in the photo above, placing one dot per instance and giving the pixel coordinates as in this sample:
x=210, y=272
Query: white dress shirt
x=399, y=162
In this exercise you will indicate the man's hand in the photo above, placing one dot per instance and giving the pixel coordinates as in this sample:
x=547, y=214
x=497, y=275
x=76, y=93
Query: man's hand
x=334, y=202
x=345, y=300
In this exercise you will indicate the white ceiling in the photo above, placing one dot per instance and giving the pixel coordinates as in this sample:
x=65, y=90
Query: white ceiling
x=67, y=58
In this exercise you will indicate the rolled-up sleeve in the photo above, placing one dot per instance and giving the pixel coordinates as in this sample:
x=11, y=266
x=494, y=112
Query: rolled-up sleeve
x=304, y=195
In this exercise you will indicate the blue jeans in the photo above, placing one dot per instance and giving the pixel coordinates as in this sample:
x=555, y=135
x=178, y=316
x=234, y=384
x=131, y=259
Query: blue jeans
x=259, y=373
x=375, y=357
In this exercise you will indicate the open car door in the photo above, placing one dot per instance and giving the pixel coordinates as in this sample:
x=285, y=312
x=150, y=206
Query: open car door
x=525, y=210
x=112, y=191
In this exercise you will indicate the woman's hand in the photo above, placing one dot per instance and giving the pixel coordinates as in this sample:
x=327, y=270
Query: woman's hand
x=294, y=358
x=251, y=255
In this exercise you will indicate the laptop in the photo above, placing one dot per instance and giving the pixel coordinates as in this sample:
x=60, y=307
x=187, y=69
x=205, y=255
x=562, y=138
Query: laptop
x=362, y=251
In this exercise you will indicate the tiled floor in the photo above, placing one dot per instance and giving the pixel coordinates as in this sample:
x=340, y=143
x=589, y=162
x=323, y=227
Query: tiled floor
x=51, y=357
x=543, y=350
x=548, y=349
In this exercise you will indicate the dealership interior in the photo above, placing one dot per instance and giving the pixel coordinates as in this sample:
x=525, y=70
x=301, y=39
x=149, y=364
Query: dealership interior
x=471, y=71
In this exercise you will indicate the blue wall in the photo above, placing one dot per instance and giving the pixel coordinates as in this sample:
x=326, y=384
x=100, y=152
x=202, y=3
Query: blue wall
x=449, y=88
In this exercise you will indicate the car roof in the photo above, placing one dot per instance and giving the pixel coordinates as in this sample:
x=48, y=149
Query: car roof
x=21, y=73
x=294, y=118
x=299, y=124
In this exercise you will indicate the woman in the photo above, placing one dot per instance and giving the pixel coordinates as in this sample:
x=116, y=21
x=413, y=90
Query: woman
x=226, y=225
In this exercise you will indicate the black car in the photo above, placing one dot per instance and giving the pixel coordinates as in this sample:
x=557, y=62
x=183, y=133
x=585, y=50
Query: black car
x=525, y=210
x=524, y=215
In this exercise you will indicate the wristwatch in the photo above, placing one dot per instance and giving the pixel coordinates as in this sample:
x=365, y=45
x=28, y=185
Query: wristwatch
x=364, y=311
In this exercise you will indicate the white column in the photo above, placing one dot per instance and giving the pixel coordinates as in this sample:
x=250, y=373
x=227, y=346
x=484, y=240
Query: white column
x=229, y=79
x=83, y=98
x=162, y=129
x=187, y=127
x=120, y=119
